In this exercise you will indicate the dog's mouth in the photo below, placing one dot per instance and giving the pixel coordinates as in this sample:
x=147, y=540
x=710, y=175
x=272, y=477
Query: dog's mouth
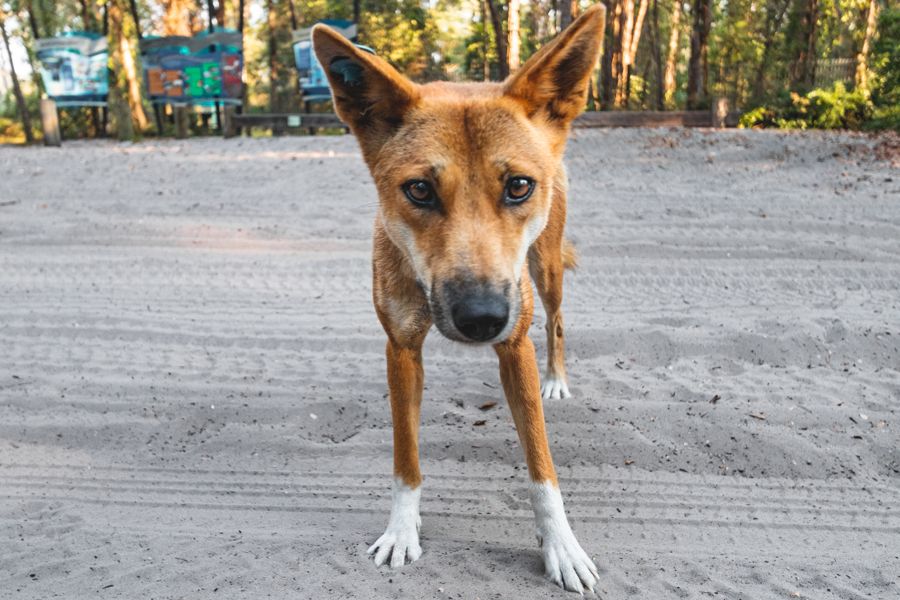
x=474, y=312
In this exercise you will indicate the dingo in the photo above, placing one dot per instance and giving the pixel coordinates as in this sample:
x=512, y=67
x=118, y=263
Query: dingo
x=472, y=199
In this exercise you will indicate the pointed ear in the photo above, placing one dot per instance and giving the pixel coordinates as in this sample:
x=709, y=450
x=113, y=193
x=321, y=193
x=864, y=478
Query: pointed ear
x=369, y=94
x=554, y=82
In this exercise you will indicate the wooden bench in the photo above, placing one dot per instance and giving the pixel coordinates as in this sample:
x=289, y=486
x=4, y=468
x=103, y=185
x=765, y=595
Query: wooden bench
x=279, y=123
x=717, y=116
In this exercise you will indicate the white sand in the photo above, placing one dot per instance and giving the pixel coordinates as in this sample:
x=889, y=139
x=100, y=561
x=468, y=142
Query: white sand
x=192, y=391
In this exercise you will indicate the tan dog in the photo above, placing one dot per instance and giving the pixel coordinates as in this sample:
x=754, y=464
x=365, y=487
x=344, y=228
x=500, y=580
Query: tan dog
x=471, y=189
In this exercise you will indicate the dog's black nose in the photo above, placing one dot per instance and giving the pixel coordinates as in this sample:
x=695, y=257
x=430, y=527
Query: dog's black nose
x=481, y=317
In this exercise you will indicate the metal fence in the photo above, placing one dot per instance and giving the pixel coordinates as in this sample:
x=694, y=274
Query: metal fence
x=831, y=70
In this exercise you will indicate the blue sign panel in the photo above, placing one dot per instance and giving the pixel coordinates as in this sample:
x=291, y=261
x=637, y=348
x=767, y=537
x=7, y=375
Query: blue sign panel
x=205, y=68
x=313, y=82
x=74, y=69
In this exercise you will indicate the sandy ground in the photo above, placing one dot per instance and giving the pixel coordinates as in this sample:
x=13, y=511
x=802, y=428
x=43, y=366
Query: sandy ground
x=193, y=401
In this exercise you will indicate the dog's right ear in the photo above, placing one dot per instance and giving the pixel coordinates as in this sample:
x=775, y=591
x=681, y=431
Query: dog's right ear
x=553, y=84
x=369, y=94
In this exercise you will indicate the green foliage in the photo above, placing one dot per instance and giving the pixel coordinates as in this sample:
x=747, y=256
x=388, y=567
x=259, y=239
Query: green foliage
x=885, y=60
x=11, y=121
x=77, y=123
x=11, y=131
x=786, y=111
x=478, y=52
x=753, y=45
x=884, y=117
x=639, y=91
x=405, y=34
x=839, y=108
x=835, y=108
x=733, y=47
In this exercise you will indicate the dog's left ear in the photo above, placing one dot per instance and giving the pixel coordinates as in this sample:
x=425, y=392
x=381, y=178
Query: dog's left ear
x=553, y=83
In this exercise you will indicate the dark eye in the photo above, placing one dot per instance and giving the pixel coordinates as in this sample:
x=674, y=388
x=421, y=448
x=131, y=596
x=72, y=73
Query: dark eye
x=518, y=189
x=420, y=193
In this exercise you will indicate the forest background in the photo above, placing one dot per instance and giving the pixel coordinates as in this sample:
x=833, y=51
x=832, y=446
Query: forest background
x=782, y=63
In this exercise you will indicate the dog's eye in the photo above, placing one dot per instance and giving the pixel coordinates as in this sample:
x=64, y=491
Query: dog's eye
x=420, y=193
x=518, y=189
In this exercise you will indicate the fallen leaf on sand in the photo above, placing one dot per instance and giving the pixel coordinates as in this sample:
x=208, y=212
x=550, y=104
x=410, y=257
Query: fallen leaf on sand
x=628, y=461
x=488, y=405
x=479, y=423
x=760, y=416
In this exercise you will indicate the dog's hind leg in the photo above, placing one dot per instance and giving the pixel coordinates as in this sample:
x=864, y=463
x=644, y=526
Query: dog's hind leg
x=566, y=563
x=548, y=257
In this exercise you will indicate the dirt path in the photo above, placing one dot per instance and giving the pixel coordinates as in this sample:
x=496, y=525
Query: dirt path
x=192, y=393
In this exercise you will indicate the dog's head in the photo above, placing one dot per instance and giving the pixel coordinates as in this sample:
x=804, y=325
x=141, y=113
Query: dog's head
x=465, y=172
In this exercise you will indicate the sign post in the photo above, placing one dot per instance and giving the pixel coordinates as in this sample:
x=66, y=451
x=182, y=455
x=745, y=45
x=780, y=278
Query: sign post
x=50, y=123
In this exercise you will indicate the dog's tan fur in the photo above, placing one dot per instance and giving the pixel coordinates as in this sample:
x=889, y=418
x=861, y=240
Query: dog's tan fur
x=468, y=139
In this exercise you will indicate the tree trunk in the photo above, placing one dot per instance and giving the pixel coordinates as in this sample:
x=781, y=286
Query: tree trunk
x=118, y=89
x=282, y=88
x=210, y=16
x=862, y=59
x=485, y=45
x=607, y=81
x=32, y=21
x=803, y=67
x=512, y=28
x=240, y=26
x=88, y=20
x=628, y=33
x=638, y=29
x=125, y=90
x=565, y=14
x=273, y=55
x=137, y=19
x=500, y=38
x=621, y=49
x=177, y=17
x=672, y=56
x=698, y=67
x=135, y=101
x=657, y=57
x=633, y=46
x=293, y=14
x=17, y=89
x=568, y=10
x=774, y=18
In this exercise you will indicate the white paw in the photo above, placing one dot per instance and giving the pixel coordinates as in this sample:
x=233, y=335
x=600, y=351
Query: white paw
x=554, y=387
x=566, y=564
x=397, y=544
x=400, y=541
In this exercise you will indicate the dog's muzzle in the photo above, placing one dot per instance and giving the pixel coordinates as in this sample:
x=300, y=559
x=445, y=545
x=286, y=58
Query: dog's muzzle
x=468, y=310
x=480, y=316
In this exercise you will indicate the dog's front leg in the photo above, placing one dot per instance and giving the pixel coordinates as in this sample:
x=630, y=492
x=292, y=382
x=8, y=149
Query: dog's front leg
x=400, y=540
x=566, y=563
